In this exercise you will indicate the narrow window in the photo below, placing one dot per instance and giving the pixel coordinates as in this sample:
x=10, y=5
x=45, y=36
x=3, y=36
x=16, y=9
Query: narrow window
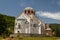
x=26, y=22
x=35, y=25
x=19, y=26
x=25, y=11
x=32, y=12
x=29, y=11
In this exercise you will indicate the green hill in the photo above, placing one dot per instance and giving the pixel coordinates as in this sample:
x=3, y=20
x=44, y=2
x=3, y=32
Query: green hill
x=6, y=24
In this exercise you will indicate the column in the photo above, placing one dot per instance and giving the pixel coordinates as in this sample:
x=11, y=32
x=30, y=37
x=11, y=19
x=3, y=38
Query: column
x=29, y=27
x=39, y=30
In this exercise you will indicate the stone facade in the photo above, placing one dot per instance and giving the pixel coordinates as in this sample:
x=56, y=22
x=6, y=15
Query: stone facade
x=28, y=23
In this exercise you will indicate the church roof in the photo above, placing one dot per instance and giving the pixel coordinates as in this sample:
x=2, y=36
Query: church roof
x=48, y=28
x=29, y=8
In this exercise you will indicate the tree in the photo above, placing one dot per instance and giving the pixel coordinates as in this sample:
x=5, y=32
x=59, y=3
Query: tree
x=56, y=29
x=6, y=23
x=2, y=25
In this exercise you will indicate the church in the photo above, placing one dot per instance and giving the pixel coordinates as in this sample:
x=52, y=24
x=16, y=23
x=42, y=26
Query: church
x=28, y=24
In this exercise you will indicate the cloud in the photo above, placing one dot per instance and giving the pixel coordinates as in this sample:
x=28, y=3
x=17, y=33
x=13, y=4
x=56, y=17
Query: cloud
x=58, y=2
x=49, y=15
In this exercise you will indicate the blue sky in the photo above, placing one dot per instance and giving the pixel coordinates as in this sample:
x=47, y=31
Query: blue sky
x=47, y=10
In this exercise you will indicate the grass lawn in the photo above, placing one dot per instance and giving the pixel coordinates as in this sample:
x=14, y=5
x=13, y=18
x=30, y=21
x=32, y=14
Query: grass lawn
x=39, y=38
x=0, y=38
x=36, y=38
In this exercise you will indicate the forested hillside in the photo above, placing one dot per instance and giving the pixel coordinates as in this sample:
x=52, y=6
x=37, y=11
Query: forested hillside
x=56, y=28
x=6, y=24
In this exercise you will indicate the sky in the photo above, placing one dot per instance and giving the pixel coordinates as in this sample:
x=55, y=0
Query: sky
x=46, y=10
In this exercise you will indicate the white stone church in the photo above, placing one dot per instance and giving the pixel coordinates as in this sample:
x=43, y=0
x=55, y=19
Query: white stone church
x=27, y=23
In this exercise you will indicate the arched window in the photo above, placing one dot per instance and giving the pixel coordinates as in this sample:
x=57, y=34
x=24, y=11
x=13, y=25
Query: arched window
x=28, y=11
x=19, y=26
x=32, y=12
x=25, y=11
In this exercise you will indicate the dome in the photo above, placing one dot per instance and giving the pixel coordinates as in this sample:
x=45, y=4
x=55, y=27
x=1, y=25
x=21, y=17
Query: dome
x=27, y=8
